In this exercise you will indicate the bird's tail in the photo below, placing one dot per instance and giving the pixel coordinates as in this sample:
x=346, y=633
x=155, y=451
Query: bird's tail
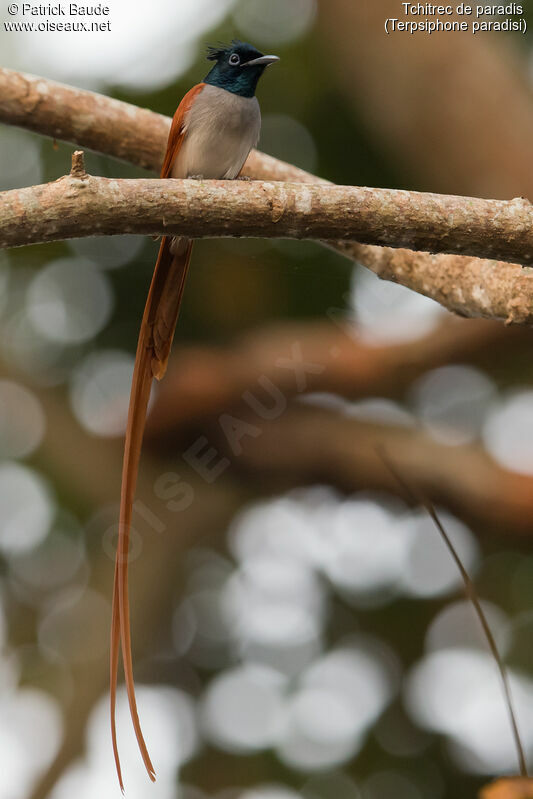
x=153, y=350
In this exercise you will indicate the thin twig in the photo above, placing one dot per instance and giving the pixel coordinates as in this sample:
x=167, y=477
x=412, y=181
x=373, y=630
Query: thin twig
x=77, y=169
x=417, y=498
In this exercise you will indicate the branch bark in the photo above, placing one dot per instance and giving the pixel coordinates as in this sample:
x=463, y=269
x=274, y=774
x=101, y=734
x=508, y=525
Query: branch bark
x=80, y=205
x=466, y=286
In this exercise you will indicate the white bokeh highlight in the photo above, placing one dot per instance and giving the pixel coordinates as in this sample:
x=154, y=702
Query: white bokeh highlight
x=334, y=704
x=26, y=508
x=69, y=301
x=145, y=48
x=368, y=548
x=430, y=571
x=387, y=313
x=109, y=252
x=99, y=392
x=170, y=728
x=457, y=625
x=457, y=693
x=31, y=728
x=20, y=157
x=269, y=791
x=71, y=627
x=286, y=138
x=53, y=563
x=452, y=403
x=275, y=22
x=274, y=603
x=22, y=420
x=508, y=432
x=243, y=709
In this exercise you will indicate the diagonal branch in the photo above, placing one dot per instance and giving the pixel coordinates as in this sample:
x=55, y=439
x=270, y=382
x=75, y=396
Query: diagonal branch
x=202, y=379
x=468, y=286
x=310, y=444
x=80, y=205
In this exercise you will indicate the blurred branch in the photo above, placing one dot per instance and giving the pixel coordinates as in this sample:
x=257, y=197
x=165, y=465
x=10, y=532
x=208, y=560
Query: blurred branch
x=247, y=413
x=202, y=380
x=508, y=788
x=454, y=112
x=308, y=444
x=82, y=205
x=464, y=285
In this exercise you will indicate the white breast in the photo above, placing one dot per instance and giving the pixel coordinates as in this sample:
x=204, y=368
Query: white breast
x=221, y=129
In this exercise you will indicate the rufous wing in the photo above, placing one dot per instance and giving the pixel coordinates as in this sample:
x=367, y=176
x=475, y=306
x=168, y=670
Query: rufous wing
x=178, y=129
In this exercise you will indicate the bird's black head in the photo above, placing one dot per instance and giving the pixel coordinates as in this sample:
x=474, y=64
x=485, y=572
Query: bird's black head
x=237, y=67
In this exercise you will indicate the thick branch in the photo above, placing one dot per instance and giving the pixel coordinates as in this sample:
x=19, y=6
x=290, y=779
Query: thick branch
x=80, y=205
x=85, y=118
x=467, y=286
x=464, y=285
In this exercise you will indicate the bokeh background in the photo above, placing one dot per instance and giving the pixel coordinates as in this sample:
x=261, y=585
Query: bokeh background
x=299, y=628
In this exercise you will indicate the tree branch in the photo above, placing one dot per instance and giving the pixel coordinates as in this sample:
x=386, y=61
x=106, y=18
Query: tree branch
x=464, y=285
x=91, y=120
x=80, y=205
x=295, y=443
x=201, y=379
x=308, y=445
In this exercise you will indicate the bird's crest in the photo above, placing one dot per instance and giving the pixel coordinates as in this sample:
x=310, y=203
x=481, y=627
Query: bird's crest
x=216, y=51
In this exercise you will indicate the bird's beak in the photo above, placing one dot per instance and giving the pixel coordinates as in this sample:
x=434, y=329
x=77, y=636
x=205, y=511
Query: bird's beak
x=262, y=61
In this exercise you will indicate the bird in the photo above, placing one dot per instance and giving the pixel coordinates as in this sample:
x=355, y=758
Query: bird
x=213, y=130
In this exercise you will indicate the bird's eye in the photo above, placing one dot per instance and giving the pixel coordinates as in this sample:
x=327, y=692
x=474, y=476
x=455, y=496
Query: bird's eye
x=234, y=60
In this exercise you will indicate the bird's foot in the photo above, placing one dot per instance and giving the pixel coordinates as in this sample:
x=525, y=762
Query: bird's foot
x=196, y=177
x=244, y=177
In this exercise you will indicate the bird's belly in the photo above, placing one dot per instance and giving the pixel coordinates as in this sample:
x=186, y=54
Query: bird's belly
x=221, y=130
